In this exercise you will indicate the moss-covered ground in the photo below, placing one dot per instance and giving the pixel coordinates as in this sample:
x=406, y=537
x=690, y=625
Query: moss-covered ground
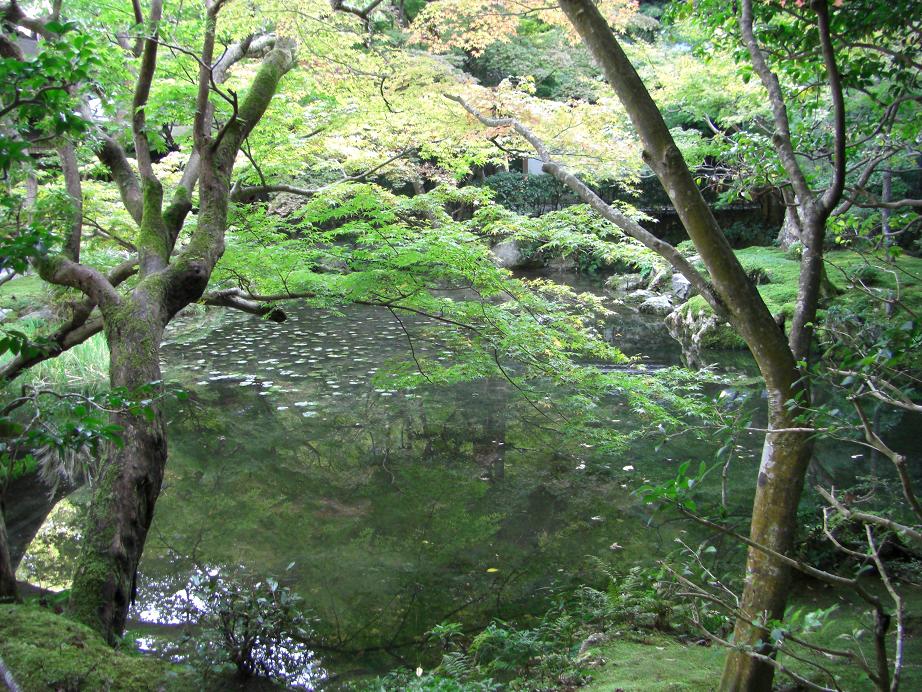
x=46, y=651
x=23, y=292
x=777, y=274
x=655, y=662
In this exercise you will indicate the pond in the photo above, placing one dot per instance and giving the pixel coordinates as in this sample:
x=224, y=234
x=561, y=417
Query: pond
x=388, y=511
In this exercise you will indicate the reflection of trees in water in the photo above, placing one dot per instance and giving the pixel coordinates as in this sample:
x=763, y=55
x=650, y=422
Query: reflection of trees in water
x=385, y=506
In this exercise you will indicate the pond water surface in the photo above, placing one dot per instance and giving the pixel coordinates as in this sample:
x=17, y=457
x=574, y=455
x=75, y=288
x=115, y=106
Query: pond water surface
x=388, y=511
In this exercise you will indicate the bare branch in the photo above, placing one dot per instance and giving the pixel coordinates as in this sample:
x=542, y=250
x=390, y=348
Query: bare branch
x=627, y=225
x=866, y=518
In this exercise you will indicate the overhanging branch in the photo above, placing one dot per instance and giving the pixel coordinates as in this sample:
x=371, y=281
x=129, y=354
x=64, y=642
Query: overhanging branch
x=606, y=211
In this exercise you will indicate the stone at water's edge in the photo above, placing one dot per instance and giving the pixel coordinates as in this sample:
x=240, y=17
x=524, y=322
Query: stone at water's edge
x=691, y=330
x=508, y=255
x=682, y=288
x=656, y=305
x=626, y=283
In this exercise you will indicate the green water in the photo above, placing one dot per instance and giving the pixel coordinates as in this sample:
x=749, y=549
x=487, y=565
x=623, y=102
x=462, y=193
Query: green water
x=398, y=509
x=389, y=510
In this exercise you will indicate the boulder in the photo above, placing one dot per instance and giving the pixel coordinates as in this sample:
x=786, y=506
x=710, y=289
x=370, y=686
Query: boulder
x=594, y=639
x=656, y=305
x=625, y=283
x=659, y=281
x=508, y=255
x=682, y=288
x=640, y=295
x=286, y=204
x=562, y=263
x=691, y=329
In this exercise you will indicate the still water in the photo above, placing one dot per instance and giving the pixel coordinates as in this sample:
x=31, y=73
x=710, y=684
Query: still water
x=387, y=510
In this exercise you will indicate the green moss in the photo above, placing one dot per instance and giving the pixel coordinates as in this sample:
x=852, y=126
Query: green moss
x=656, y=663
x=47, y=651
x=778, y=275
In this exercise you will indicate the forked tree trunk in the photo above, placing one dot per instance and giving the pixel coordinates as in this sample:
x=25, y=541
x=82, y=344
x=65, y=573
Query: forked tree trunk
x=123, y=501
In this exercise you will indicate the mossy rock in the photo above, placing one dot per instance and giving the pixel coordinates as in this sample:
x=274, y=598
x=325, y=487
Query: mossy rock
x=46, y=651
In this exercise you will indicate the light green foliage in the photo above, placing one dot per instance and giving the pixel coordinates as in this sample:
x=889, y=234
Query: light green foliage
x=561, y=71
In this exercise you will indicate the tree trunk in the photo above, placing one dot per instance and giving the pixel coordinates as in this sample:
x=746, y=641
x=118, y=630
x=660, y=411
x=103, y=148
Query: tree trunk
x=886, y=194
x=785, y=455
x=123, y=501
x=785, y=458
x=8, y=591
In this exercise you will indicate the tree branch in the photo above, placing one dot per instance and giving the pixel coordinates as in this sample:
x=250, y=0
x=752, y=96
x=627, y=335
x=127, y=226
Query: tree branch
x=867, y=518
x=782, y=138
x=627, y=225
x=834, y=192
x=248, y=193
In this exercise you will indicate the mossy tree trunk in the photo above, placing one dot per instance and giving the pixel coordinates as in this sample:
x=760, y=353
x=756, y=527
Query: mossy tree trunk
x=123, y=501
x=122, y=506
x=8, y=591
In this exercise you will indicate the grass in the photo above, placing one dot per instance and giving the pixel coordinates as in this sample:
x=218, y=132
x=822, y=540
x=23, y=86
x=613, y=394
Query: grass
x=656, y=663
x=84, y=367
x=46, y=651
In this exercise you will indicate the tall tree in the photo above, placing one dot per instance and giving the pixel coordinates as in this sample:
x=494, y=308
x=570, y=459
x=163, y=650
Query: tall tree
x=788, y=447
x=170, y=277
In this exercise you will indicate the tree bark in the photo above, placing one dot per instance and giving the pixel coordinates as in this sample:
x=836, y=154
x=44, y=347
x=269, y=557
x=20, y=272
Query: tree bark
x=8, y=590
x=785, y=455
x=123, y=501
x=792, y=227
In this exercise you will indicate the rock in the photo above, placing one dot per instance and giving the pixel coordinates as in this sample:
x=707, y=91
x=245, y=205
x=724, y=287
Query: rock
x=682, y=288
x=562, y=264
x=42, y=314
x=3, y=314
x=286, y=204
x=657, y=305
x=691, y=329
x=508, y=255
x=625, y=283
x=660, y=280
x=640, y=296
x=593, y=639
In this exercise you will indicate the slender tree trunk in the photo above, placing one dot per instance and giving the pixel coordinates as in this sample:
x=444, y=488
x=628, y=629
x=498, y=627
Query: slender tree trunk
x=8, y=591
x=886, y=194
x=785, y=459
x=123, y=501
x=785, y=455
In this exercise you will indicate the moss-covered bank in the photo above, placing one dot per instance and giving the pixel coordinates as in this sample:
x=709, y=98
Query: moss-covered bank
x=46, y=651
x=777, y=274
